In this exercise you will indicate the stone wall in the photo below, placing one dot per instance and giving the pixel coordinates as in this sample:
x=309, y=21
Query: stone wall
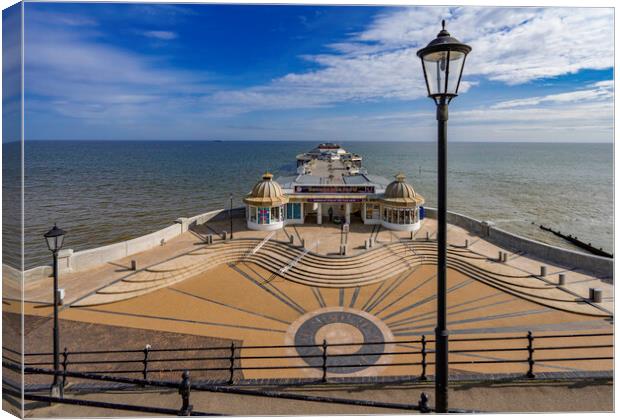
x=601, y=266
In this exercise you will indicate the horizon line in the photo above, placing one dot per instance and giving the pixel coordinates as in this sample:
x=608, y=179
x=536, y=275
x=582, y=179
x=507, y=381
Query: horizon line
x=307, y=141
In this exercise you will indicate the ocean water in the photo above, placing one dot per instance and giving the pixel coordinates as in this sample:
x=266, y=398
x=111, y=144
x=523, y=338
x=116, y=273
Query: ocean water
x=104, y=192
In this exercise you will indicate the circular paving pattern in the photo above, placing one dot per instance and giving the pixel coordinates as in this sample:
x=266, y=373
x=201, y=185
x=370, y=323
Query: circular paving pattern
x=339, y=333
x=337, y=326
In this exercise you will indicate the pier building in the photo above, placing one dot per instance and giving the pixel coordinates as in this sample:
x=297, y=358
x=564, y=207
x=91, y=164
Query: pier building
x=330, y=151
x=331, y=186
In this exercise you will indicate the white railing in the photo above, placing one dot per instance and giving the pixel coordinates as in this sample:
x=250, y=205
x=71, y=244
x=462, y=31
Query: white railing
x=296, y=260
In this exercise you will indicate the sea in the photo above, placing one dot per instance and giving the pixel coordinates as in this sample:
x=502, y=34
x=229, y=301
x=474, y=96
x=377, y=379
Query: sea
x=102, y=192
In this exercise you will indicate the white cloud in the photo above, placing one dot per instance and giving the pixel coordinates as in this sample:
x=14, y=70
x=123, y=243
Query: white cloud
x=162, y=35
x=600, y=91
x=535, y=119
x=511, y=45
x=73, y=72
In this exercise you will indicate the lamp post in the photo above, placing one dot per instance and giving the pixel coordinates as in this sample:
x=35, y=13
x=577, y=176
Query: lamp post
x=54, y=238
x=443, y=60
x=230, y=216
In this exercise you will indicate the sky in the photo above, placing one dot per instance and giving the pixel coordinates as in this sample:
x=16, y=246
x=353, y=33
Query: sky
x=320, y=73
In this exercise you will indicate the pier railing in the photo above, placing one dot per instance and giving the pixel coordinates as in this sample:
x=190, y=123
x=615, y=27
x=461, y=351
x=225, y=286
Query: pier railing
x=526, y=354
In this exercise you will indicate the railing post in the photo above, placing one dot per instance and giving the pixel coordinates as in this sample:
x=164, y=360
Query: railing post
x=231, y=368
x=184, y=389
x=530, y=357
x=324, y=361
x=65, y=357
x=423, y=375
x=423, y=403
x=145, y=362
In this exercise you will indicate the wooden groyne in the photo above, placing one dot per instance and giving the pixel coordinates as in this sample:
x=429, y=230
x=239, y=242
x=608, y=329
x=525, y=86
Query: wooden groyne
x=575, y=241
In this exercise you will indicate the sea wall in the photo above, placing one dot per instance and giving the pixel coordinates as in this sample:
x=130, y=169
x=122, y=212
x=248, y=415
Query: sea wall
x=601, y=266
x=69, y=261
x=83, y=260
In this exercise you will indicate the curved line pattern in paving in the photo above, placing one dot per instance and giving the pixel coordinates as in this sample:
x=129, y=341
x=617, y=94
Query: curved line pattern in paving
x=375, y=266
x=224, y=290
x=249, y=303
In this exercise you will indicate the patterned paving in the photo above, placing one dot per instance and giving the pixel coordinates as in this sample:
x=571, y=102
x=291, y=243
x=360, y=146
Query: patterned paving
x=386, y=294
x=379, y=265
x=248, y=303
x=345, y=327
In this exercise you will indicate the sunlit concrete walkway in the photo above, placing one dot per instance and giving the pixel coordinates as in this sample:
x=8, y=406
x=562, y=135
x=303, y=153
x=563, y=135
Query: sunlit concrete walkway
x=559, y=396
x=320, y=239
x=259, y=292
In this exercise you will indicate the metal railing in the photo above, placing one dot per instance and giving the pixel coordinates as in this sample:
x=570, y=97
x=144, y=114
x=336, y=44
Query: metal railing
x=185, y=387
x=227, y=363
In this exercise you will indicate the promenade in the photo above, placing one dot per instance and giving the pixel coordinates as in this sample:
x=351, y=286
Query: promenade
x=261, y=289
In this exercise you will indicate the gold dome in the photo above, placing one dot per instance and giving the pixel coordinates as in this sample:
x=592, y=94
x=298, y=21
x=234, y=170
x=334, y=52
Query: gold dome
x=266, y=192
x=400, y=193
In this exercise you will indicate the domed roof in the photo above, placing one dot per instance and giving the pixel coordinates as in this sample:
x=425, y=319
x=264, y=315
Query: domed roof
x=266, y=192
x=398, y=192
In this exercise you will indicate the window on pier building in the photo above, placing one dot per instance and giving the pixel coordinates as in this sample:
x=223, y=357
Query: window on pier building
x=293, y=211
x=399, y=216
x=263, y=215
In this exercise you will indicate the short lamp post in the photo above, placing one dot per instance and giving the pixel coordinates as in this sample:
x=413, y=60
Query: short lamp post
x=54, y=238
x=443, y=60
x=230, y=216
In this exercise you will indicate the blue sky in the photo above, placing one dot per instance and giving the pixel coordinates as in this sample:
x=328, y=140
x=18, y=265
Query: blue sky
x=225, y=72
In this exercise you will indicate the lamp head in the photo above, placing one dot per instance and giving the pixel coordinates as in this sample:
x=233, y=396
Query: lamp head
x=443, y=60
x=54, y=238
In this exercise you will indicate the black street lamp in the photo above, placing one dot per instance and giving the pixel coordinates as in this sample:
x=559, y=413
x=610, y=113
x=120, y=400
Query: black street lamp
x=230, y=216
x=54, y=238
x=443, y=60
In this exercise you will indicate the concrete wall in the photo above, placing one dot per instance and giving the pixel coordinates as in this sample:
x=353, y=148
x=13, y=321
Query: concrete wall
x=69, y=261
x=13, y=275
x=83, y=260
x=601, y=266
x=214, y=215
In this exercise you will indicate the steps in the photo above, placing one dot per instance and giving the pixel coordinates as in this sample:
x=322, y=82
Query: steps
x=311, y=269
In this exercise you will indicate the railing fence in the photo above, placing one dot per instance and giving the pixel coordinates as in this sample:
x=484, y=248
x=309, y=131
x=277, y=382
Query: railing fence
x=325, y=359
x=229, y=361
